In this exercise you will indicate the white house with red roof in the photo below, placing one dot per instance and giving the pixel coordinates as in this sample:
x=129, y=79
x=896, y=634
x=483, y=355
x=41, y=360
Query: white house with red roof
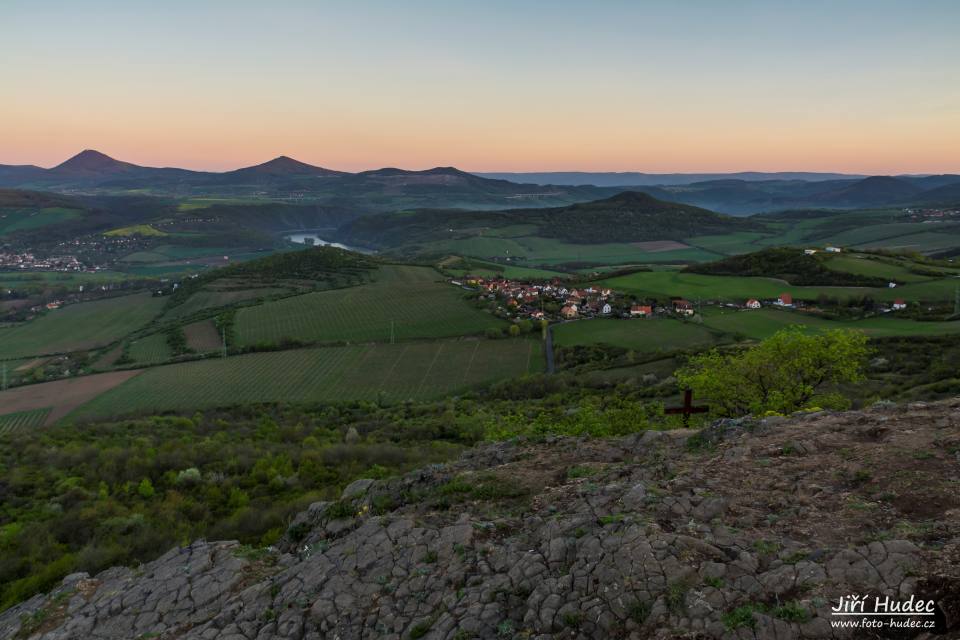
x=785, y=300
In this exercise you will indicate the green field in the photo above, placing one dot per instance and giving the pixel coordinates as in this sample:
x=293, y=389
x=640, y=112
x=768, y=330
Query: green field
x=46, y=279
x=163, y=270
x=418, y=370
x=79, y=326
x=458, y=266
x=729, y=288
x=659, y=334
x=927, y=241
x=414, y=300
x=533, y=250
x=728, y=244
x=865, y=265
x=151, y=349
x=720, y=325
x=762, y=323
x=512, y=273
x=660, y=284
x=136, y=229
x=168, y=252
x=211, y=299
x=22, y=420
x=20, y=219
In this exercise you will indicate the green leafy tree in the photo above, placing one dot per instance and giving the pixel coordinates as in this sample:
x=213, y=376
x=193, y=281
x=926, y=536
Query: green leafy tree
x=145, y=488
x=787, y=372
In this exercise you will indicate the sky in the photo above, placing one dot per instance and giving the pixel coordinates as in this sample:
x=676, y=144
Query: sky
x=525, y=85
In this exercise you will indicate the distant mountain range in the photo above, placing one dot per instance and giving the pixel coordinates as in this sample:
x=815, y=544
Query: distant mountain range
x=637, y=179
x=749, y=193
x=92, y=172
x=389, y=189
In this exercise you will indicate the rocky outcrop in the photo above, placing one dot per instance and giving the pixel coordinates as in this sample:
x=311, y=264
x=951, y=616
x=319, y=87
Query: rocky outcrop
x=747, y=529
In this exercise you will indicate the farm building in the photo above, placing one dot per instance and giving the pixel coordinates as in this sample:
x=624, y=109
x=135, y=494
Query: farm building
x=834, y=249
x=753, y=303
x=785, y=300
x=683, y=307
x=569, y=311
x=899, y=303
x=641, y=310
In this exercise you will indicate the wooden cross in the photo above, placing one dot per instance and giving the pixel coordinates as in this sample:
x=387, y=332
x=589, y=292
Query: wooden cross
x=687, y=408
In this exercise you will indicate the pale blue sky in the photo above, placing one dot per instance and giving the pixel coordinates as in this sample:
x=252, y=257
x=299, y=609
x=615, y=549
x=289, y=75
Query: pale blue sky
x=656, y=86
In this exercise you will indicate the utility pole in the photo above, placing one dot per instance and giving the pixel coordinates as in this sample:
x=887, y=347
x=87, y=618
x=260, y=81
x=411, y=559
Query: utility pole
x=391, y=332
x=223, y=338
x=4, y=376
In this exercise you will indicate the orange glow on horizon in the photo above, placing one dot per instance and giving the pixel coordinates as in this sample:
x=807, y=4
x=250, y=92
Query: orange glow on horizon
x=639, y=86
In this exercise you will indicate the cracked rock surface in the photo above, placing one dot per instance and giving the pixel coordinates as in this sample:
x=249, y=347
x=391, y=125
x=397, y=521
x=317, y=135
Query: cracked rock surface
x=751, y=529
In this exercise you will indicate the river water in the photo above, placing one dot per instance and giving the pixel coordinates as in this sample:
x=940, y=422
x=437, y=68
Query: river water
x=312, y=238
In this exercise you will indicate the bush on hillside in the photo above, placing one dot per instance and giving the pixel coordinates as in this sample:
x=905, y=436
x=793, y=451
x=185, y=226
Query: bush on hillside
x=785, y=373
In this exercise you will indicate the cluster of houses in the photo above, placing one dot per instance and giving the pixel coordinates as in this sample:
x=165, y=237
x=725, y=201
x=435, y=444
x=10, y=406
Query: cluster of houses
x=932, y=215
x=529, y=299
x=28, y=261
x=810, y=252
x=786, y=300
x=558, y=300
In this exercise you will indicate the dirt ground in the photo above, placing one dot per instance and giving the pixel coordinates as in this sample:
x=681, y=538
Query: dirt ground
x=63, y=396
x=656, y=246
x=202, y=336
x=26, y=366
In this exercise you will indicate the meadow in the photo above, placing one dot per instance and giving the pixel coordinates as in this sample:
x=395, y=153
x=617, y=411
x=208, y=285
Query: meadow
x=648, y=335
x=459, y=267
x=414, y=301
x=47, y=279
x=151, y=349
x=728, y=244
x=416, y=370
x=547, y=252
x=136, y=229
x=169, y=252
x=725, y=325
x=663, y=284
x=762, y=323
x=26, y=218
x=213, y=298
x=860, y=264
x=79, y=326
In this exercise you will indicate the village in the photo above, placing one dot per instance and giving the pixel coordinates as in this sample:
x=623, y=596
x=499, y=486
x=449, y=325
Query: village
x=557, y=301
x=932, y=215
x=28, y=261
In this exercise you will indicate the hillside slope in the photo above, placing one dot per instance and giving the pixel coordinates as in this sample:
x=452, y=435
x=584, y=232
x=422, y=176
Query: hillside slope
x=749, y=529
x=787, y=263
x=626, y=217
